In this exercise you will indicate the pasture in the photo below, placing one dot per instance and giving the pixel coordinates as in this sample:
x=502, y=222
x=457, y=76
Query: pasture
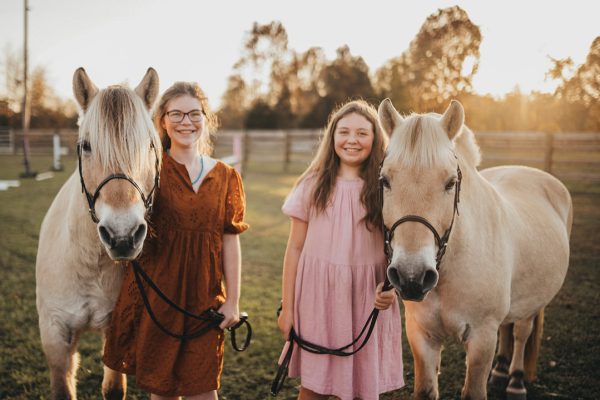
x=567, y=367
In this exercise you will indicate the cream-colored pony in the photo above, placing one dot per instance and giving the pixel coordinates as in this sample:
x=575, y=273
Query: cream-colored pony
x=77, y=276
x=506, y=257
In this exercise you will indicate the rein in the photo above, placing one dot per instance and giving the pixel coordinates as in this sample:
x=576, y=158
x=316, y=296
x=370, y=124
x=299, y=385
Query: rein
x=212, y=317
x=91, y=199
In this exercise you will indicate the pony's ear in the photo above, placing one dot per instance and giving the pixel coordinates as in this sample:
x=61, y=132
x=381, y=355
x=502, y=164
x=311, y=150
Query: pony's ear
x=389, y=118
x=148, y=88
x=453, y=119
x=83, y=88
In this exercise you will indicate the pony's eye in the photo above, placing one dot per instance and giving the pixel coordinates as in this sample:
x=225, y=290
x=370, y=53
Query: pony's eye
x=384, y=181
x=450, y=184
x=85, y=146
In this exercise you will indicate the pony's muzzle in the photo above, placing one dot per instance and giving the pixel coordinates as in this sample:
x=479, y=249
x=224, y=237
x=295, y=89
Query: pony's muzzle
x=123, y=247
x=414, y=286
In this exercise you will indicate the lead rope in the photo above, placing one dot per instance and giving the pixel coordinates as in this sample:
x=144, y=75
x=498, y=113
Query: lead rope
x=369, y=326
x=211, y=316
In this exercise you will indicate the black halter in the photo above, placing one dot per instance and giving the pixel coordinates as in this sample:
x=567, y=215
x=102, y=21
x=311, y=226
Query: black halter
x=91, y=199
x=441, y=241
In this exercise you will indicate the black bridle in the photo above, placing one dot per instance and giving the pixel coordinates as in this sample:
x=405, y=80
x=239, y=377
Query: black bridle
x=441, y=241
x=91, y=199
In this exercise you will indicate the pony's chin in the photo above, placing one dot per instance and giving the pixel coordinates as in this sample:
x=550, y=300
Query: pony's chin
x=412, y=297
x=124, y=256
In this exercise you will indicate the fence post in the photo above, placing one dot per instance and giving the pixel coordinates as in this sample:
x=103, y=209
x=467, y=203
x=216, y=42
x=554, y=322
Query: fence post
x=238, y=152
x=246, y=149
x=548, y=153
x=288, y=149
x=11, y=138
x=56, y=166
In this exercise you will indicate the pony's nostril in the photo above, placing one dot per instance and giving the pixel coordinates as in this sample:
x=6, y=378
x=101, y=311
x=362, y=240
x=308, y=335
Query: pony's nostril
x=429, y=280
x=139, y=235
x=394, y=276
x=105, y=236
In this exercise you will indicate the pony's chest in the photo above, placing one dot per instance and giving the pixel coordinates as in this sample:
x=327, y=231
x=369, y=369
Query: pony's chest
x=436, y=317
x=97, y=297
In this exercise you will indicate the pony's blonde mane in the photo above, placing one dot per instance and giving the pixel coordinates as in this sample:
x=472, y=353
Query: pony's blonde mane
x=421, y=142
x=119, y=129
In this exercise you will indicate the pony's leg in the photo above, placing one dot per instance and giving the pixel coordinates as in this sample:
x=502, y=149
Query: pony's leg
x=59, y=345
x=499, y=377
x=426, y=354
x=114, y=385
x=480, y=347
x=516, y=387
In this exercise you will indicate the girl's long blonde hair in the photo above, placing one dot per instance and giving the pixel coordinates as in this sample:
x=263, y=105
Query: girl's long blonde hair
x=325, y=166
x=210, y=120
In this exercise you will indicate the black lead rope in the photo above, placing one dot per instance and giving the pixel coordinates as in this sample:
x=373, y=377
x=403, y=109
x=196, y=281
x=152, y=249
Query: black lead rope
x=212, y=317
x=369, y=326
x=293, y=338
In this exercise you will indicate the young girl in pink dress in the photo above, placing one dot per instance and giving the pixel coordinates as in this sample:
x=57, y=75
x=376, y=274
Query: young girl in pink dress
x=334, y=264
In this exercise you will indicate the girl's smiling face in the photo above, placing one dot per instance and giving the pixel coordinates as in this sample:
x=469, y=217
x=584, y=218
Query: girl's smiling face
x=353, y=139
x=185, y=133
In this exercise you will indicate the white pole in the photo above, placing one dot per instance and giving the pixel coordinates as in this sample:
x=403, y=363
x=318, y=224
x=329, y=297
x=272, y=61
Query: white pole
x=56, y=147
x=237, y=152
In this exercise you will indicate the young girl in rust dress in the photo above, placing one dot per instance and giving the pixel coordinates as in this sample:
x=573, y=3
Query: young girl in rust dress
x=193, y=257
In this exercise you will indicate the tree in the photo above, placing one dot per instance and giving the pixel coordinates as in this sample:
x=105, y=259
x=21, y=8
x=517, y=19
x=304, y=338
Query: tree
x=343, y=79
x=260, y=116
x=47, y=109
x=235, y=103
x=439, y=64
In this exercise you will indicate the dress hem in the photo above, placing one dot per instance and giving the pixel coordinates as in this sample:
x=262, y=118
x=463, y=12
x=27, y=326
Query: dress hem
x=325, y=390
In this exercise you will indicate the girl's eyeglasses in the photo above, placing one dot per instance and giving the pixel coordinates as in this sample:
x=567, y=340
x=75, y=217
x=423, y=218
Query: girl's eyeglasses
x=177, y=116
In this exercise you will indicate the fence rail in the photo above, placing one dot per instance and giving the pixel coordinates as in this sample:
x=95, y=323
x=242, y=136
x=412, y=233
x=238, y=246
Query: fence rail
x=569, y=156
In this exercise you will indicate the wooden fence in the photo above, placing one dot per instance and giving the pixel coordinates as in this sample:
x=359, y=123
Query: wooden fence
x=569, y=156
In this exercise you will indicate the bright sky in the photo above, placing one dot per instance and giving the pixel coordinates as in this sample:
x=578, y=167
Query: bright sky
x=117, y=40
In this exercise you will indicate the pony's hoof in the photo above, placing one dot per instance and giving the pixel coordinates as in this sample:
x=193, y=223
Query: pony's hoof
x=516, y=389
x=512, y=394
x=498, y=380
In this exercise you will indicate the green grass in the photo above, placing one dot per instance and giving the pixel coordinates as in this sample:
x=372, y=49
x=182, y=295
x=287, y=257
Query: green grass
x=570, y=351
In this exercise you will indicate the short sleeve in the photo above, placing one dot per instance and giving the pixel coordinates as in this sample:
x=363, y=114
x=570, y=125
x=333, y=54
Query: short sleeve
x=235, y=204
x=297, y=204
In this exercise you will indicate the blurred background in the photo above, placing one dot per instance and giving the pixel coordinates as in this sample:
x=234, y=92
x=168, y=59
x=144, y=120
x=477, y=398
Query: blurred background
x=527, y=73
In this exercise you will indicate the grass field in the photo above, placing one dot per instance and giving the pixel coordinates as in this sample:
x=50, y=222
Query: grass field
x=568, y=365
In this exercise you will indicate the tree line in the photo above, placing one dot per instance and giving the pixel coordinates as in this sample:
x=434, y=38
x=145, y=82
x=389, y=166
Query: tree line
x=273, y=86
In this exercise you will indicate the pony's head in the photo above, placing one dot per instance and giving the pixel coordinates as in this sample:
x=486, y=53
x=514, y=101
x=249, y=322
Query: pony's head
x=420, y=178
x=119, y=154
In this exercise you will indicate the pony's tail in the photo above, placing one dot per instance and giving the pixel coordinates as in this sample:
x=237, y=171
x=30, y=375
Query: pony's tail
x=532, y=348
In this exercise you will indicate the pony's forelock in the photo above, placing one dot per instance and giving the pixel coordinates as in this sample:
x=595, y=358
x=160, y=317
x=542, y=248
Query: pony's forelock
x=119, y=129
x=420, y=142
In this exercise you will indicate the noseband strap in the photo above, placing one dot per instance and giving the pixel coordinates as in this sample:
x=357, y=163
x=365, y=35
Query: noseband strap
x=91, y=198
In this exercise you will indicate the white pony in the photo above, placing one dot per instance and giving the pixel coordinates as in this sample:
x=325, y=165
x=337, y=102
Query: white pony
x=505, y=234
x=96, y=219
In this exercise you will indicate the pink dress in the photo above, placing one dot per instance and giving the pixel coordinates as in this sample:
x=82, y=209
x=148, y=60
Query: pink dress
x=339, y=268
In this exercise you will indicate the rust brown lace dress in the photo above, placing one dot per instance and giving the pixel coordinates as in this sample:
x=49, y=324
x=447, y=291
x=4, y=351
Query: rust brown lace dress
x=183, y=257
